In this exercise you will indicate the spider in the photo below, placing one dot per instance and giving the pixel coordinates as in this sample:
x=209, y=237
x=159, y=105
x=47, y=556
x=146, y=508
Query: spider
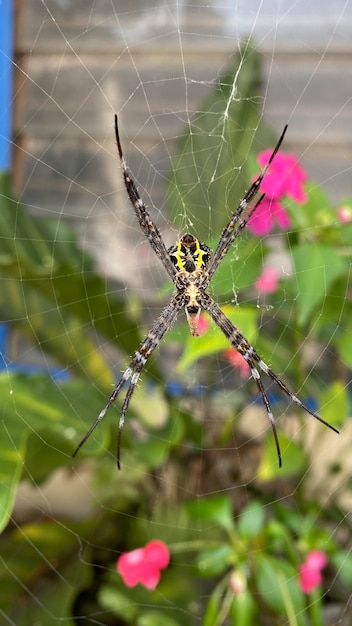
x=191, y=265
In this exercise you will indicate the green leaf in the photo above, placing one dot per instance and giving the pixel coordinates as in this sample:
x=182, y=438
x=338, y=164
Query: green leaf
x=34, y=405
x=214, y=561
x=334, y=403
x=212, y=609
x=344, y=345
x=113, y=600
x=251, y=520
x=213, y=509
x=343, y=564
x=214, y=341
x=277, y=582
x=239, y=269
x=53, y=604
x=209, y=169
x=51, y=292
x=333, y=326
x=316, y=268
x=278, y=533
x=294, y=459
x=63, y=335
x=39, y=555
x=156, y=618
x=244, y=609
x=162, y=437
x=310, y=214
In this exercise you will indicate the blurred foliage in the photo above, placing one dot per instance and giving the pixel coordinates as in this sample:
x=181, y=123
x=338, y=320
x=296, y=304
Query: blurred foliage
x=235, y=557
x=209, y=170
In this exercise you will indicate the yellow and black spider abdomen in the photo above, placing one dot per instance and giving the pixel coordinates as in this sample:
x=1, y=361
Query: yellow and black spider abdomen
x=189, y=254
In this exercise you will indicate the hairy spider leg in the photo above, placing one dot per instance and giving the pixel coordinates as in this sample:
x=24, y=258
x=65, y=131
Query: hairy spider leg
x=146, y=223
x=241, y=344
x=230, y=233
x=132, y=372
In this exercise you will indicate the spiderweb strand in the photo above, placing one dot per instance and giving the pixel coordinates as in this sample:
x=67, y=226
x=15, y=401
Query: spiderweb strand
x=139, y=359
x=230, y=233
x=240, y=343
x=148, y=227
x=168, y=316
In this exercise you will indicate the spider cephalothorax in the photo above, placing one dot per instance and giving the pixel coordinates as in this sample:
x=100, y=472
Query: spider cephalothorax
x=189, y=255
x=191, y=265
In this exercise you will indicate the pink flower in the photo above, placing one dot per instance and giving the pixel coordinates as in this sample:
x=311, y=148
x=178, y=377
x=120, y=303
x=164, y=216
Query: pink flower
x=310, y=575
x=238, y=582
x=263, y=220
x=143, y=565
x=238, y=362
x=285, y=177
x=344, y=214
x=267, y=282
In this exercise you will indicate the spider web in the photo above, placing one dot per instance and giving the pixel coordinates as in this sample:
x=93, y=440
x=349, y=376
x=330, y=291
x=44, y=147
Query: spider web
x=81, y=287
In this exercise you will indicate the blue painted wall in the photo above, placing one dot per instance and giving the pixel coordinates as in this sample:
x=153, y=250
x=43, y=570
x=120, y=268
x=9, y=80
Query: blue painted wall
x=6, y=71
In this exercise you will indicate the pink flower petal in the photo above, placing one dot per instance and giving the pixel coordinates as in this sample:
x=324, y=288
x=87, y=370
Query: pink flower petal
x=316, y=559
x=151, y=578
x=157, y=553
x=238, y=582
x=131, y=559
x=143, y=565
x=268, y=212
x=284, y=178
x=310, y=571
x=267, y=282
x=309, y=578
x=261, y=222
x=238, y=362
x=281, y=217
x=344, y=214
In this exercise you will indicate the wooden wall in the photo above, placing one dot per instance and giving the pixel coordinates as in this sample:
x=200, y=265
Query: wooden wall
x=79, y=62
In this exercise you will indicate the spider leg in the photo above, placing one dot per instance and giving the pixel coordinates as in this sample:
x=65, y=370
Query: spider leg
x=240, y=343
x=267, y=370
x=256, y=376
x=147, y=225
x=230, y=232
x=132, y=372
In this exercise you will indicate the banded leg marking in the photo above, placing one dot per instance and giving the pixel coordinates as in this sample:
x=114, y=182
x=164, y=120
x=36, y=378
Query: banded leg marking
x=241, y=344
x=132, y=372
x=230, y=233
x=146, y=223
